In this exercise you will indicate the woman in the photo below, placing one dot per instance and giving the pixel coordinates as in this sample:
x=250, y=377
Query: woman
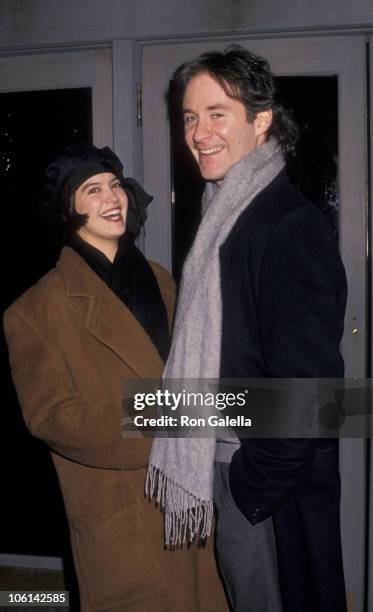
x=99, y=318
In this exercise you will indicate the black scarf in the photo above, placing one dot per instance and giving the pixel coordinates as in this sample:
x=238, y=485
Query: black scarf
x=132, y=280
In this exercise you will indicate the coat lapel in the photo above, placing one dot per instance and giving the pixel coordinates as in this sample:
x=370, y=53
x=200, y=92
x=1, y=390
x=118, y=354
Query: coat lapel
x=108, y=319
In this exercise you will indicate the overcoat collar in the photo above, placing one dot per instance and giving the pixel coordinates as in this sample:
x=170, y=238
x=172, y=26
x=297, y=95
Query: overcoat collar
x=108, y=319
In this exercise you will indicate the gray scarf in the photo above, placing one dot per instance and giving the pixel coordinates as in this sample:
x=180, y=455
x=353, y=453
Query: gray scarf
x=180, y=473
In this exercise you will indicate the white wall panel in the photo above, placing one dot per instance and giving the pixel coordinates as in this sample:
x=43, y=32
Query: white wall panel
x=25, y=23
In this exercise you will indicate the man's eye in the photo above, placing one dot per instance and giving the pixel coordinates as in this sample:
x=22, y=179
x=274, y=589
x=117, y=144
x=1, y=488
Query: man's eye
x=217, y=115
x=189, y=119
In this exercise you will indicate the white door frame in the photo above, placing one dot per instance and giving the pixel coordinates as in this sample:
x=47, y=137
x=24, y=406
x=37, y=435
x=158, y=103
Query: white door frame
x=64, y=70
x=111, y=71
x=370, y=531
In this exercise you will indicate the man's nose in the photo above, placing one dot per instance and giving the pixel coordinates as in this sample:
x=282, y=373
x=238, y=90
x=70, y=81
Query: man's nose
x=202, y=131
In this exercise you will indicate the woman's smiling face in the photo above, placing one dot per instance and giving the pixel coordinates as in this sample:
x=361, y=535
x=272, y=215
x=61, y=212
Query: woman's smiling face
x=102, y=198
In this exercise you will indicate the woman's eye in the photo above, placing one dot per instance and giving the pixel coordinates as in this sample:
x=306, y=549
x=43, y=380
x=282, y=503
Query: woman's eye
x=116, y=185
x=93, y=190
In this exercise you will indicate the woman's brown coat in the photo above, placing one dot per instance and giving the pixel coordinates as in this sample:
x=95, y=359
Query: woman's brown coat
x=72, y=345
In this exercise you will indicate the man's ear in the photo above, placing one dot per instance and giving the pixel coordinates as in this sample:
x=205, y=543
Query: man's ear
x=262, y=123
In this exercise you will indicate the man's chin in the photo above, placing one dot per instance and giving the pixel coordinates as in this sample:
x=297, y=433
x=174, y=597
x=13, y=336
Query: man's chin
x=214, y=177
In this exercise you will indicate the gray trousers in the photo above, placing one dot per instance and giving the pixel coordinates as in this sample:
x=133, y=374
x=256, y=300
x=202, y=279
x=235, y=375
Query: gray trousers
x=246, y=554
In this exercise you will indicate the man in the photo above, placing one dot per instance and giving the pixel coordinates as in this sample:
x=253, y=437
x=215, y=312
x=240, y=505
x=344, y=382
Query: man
x=263, y=295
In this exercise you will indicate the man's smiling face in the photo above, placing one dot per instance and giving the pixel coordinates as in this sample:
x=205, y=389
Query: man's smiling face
x=217, y=130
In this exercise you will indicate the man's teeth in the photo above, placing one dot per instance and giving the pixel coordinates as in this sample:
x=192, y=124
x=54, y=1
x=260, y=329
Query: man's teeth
x=211, y=150
x=111, y=213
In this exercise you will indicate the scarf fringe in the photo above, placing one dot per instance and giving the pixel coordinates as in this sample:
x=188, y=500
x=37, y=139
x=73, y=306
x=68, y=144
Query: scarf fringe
x=186, y=516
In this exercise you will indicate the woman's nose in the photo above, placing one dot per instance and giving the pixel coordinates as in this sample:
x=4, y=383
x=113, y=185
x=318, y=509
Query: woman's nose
x=112, y=195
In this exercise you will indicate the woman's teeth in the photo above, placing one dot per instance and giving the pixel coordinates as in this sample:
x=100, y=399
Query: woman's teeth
x=112, y=215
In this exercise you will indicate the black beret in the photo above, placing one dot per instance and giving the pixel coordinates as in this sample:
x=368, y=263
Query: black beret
x=74, y=165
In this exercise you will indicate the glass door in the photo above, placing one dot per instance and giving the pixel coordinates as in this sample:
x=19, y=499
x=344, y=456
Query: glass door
x=47, y=101
x=324, y=81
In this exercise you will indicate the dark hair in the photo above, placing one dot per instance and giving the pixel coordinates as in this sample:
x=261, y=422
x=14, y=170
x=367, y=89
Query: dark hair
x=246, y=77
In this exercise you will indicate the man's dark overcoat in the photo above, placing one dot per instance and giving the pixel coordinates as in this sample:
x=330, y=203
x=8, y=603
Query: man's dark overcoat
x=284, y=295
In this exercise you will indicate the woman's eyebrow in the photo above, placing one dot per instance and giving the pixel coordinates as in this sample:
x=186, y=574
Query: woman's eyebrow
x=90, y=185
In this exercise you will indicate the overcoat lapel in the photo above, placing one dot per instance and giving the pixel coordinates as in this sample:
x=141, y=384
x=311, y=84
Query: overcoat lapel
x=108, y=319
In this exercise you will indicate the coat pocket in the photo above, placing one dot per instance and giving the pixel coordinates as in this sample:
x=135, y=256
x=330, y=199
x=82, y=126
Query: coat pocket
x=115, y=562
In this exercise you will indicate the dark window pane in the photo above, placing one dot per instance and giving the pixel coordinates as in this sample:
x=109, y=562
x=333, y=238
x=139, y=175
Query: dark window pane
x=33, y=127
x=313, y=170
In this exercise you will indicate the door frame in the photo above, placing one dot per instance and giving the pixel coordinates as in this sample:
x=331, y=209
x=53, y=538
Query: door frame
x=66, y=69
x=111, y=70
x=369, y=577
